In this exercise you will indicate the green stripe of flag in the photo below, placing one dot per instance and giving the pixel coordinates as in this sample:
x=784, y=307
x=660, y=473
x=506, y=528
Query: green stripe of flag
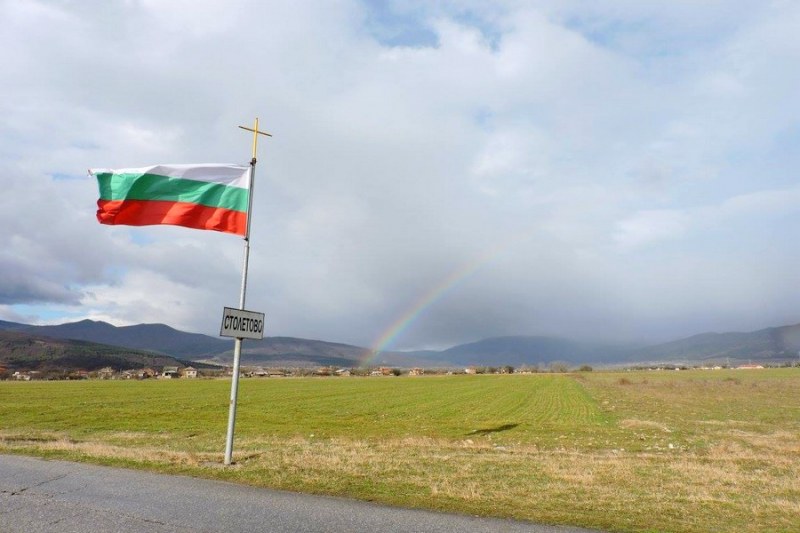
x=154, y=187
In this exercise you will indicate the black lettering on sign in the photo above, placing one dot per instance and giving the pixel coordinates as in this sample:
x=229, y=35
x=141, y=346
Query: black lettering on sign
x=251, y=325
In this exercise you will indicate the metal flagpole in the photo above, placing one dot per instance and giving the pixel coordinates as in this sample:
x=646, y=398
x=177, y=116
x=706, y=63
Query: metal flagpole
x=237, y=347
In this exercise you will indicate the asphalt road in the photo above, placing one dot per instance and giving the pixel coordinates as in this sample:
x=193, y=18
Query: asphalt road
x=40, y=496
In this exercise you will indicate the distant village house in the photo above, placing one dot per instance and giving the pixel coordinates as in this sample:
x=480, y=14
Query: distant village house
x=189, y=372
x=170, y=372
x=146, y=373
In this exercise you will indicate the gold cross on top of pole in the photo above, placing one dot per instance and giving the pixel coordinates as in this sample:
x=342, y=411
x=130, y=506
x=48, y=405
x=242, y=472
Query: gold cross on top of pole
x=256, y=133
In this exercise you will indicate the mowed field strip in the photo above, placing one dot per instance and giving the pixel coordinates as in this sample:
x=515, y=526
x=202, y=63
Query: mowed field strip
x=630, y=451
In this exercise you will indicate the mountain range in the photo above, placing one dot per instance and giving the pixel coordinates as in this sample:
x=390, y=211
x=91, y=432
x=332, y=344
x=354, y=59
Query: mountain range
x=136, y=343
x=26, y=351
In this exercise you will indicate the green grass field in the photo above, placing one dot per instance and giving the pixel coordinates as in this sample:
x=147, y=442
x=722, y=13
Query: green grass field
x=691, y=451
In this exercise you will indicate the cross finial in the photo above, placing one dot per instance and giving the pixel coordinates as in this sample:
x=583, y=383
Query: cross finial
x=256, y=133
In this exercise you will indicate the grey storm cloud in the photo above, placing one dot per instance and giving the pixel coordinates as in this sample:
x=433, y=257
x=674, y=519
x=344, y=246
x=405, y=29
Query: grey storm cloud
x=19, y=287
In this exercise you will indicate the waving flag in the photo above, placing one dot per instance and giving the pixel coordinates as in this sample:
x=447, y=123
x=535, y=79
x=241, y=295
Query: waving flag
x=206, y=196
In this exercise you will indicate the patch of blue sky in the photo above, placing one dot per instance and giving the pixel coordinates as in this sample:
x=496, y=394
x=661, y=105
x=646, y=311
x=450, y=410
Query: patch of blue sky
x=394, y=24
x=32, y=313
x=606, y=33
x=490, y=32
x=787, y=142
x=648, y=37
x=61, y=176
x=483, y=118
x=141, y=238
x=408, y=24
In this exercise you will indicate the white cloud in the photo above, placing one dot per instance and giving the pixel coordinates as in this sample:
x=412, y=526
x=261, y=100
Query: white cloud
x=143, y=296
x=647, y=227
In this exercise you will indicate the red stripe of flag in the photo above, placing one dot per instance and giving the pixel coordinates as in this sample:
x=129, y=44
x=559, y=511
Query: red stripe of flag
x=149, y=212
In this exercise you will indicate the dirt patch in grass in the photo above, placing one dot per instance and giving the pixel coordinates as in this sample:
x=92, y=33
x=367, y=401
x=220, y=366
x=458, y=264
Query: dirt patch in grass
x=644, y=424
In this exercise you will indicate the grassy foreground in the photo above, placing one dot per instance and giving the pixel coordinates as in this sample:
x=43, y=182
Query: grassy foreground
x=695, y=451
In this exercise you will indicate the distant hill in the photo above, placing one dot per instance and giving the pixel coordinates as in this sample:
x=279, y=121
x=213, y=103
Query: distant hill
x=165, y=340
x=777, y=344
x=531, y=350
x=157, y=338
x=291, y=351
x=22, y=351
x=770, y=345
x=11, y=326
x=417, y=358
x=765, y=345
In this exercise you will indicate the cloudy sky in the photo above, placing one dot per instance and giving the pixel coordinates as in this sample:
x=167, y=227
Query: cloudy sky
x=440, y=172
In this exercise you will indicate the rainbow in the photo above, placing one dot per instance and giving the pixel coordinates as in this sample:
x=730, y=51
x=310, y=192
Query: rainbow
x=433, y=295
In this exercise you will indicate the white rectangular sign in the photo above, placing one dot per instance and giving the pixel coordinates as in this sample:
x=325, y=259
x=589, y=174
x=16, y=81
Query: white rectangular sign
x=242, y=324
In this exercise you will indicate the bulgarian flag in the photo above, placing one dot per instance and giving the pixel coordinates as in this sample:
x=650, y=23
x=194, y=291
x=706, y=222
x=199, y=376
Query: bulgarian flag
x=205, y=196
